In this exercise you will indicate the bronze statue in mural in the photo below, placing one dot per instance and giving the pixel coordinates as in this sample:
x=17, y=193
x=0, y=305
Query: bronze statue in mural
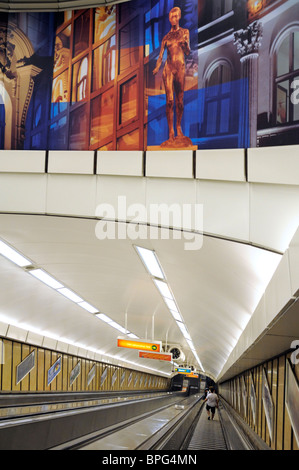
x=176, y=42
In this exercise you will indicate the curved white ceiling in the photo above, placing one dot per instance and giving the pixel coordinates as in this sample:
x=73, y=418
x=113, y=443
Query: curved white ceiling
x=216, y=288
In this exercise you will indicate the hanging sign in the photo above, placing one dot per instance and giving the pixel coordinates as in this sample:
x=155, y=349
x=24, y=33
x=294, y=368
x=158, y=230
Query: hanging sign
x=192, y=375
x=143, y=345
x=180, y=370
x=154, y=355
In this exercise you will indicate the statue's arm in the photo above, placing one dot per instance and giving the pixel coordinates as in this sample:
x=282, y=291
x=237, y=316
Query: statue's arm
x=160, y=58
x=185, y=43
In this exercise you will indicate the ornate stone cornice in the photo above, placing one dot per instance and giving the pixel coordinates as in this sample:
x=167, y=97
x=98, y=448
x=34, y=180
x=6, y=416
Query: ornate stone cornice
x=248, y=41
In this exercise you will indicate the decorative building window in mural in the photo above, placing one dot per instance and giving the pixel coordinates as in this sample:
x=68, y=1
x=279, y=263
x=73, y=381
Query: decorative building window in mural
x=59, y=94
x=103, y=67
x=128, y=43
x=80, y=71
x=218, y=101
x=62, y=49
x=104, y=22
x=128, y=100
x=287, y=72
x=58, y=134
x=128, y=141
x=78, y=129
x=81, y=36
x=102, y=108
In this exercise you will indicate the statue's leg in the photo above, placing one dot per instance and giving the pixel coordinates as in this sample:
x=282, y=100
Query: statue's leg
x=168, y=84
x=179, y=85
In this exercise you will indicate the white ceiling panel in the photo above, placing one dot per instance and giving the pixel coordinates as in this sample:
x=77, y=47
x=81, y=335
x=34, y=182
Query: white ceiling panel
x=216, y=288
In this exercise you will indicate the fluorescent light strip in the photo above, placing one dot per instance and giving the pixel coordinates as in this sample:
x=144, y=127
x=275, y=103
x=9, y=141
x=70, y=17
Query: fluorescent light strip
x=176, y=316
x=171, y=305
x=184, y=331
x=88, y=307
x=103, y=317
x=13, y=255
x=46, y=278
x=70, y=295
x=50, y=281
x=163, y=289
x=151, y=262
x=43, y=276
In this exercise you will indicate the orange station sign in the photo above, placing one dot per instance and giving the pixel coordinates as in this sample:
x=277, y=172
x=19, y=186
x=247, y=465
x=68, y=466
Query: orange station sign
x=143, y=345
x=157, y=356
x=195, y=376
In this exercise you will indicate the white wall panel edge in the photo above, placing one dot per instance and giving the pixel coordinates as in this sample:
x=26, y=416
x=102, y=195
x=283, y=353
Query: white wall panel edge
x=221, y=164
x=16, y=333
x=3, y=328
x=121, y=163
x=82, y=352
x=276, y=165
x=61, y=346
x=169, y=164
x=34, y=338
x=49, y=343
x=22, y=161
x=72, y=349
x=71, y=162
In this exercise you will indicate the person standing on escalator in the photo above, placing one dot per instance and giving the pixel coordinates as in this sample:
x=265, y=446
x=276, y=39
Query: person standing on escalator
x=212, y=403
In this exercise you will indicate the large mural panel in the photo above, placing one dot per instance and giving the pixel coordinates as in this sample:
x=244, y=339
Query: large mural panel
x=159, y=74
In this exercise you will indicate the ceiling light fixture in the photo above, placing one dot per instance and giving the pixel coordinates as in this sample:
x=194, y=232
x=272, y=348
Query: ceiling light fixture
x=151, y=262
x=88, y=307
x=171, y=304
x=163, y=289
x=13, y=255
x=70, y=295
x=46, y=278
x=104, y=317
x=176, y=316
x=184, y=331
x=110, y=322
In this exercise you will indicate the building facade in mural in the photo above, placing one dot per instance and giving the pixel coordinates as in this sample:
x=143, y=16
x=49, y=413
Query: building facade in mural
x=16, y=84
x=83, y=80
